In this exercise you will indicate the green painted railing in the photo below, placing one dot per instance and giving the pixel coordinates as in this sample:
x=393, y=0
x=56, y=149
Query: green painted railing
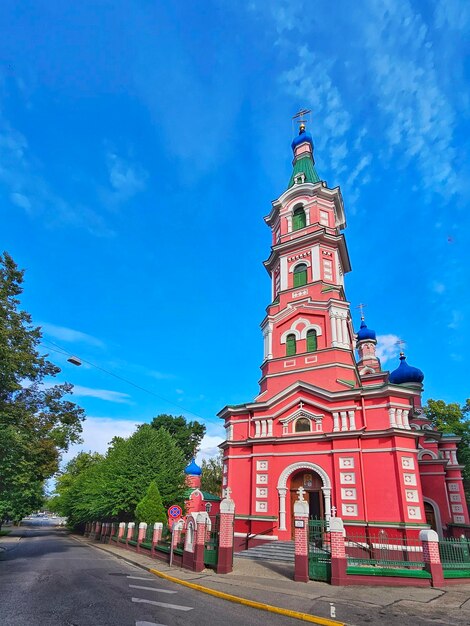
x=455, y=557
x=381, y=555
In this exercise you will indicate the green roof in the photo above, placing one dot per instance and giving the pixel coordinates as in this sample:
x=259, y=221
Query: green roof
x=208, y=497
x=305, y=166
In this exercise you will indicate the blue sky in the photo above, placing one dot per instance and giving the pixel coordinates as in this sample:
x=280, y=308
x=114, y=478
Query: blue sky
x=142, y=142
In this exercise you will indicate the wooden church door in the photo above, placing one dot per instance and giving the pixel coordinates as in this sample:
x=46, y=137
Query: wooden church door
x=312, y=484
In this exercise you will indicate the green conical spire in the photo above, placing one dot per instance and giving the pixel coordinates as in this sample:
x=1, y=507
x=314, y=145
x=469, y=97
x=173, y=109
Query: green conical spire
x=303, y=161
x=305, y=166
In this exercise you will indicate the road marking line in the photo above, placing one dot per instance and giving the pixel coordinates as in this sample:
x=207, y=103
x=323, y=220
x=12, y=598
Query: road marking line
x=148, y=624
x=305, y=617
x=151, y=589
x=164, y=605
x=140, y=578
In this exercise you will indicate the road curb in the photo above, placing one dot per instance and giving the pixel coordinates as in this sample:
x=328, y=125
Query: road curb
x=306, y=617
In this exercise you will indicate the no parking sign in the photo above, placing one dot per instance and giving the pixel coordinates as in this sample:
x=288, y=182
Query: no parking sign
x=175, y=511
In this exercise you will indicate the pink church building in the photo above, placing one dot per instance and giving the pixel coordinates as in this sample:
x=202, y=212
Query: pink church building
x=353, y=436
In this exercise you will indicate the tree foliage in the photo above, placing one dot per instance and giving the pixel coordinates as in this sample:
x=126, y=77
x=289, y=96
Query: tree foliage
x=36, y=422
x=211, y=477
x=454, y=418
x=93, y=487
x=150, y=509
x=188, y=435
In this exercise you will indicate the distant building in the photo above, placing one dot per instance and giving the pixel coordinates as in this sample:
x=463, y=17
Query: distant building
x=196, y=499
x=353, y=436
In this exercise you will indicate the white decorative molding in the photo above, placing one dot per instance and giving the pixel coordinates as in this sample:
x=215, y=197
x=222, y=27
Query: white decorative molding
x=346, y=462
x=424, y=452
x=453, y=486
x=261, y=506
x=348, y=493
x=457, y=508
x=408, y=462
x=349, y=510
x=262, y=465
x=459, y=519
x=261, y=492
x=411, y=495
x=261, y=479
x=297, y=294
x=414, y=512
x=410, y=479
x=347, y=478
x=455, y=497
x=311, y=359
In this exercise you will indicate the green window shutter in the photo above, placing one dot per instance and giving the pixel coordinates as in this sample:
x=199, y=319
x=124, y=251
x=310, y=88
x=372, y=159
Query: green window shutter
x=300, y=275
x=299, y=220
x=311, y=340
x=291, y=345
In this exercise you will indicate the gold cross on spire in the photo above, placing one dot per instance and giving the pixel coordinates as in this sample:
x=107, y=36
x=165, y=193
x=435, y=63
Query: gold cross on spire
x=361, y=307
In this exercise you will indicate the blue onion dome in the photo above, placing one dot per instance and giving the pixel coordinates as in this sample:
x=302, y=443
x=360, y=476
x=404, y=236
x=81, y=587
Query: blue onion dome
x=366, y=333
x=405, y=373
x=301, y=137
x=193, y=469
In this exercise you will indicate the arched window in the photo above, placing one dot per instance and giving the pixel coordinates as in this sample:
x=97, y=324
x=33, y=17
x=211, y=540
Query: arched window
x=311, y=340
x=300, y=275
x=299, y=219
x=291, y=345
x=302, y=425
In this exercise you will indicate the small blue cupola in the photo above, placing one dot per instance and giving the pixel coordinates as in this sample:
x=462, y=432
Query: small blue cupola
x=302, y=137
x=365, y=333
x=405, y=373
x=193, y=469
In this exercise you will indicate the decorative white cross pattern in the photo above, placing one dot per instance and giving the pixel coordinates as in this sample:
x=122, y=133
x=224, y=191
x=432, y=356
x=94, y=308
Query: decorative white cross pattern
x=227, y=493
x=301, y=492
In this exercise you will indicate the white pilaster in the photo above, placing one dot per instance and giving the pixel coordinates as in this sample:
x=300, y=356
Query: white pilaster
x=335, y=422
x=344, y=420
x=284, y=273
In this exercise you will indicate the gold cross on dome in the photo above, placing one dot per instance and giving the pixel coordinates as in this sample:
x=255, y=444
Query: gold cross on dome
x=361, y=307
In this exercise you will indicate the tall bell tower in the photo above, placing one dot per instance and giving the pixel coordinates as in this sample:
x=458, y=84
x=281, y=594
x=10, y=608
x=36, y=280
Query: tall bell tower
x=307, y=331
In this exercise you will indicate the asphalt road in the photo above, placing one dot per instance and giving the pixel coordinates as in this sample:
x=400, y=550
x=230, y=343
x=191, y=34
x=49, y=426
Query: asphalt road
x=49, y=579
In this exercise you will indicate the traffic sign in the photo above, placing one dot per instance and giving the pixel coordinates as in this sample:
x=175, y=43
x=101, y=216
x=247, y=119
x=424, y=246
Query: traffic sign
x=175, y=511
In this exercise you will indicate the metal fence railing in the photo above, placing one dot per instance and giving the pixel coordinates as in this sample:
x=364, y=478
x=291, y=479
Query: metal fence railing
x=383, y=552
x=455, y=554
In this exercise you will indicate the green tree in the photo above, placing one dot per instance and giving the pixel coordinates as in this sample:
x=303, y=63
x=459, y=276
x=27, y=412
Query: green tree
x=150, y=509
x=36, y=422
x=188, y=435
x=454, y=418
x=108, y=488
x=211, y=477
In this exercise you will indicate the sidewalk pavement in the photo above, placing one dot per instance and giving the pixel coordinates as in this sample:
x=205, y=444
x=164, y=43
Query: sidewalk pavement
x=271, y=583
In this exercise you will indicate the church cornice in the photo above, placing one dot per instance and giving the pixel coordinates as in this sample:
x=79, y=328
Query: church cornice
x=318, y=236
x=319, y=190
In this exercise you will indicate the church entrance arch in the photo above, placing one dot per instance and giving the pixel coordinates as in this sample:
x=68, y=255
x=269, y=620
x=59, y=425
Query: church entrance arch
x=317, y=485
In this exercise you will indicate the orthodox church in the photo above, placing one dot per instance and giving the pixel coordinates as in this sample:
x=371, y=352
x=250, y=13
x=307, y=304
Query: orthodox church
x=352, y=435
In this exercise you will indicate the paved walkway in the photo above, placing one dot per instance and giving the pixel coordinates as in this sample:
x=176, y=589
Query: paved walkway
x=271, y=583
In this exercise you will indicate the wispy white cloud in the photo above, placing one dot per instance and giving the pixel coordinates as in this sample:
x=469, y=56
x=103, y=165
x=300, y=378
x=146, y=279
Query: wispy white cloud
x=70, y=335
x=455, y=320
x=126, y=178
x=28, y=188
x=387, y=347
x=97, y=434
x=102, y=394
x=209, y=445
